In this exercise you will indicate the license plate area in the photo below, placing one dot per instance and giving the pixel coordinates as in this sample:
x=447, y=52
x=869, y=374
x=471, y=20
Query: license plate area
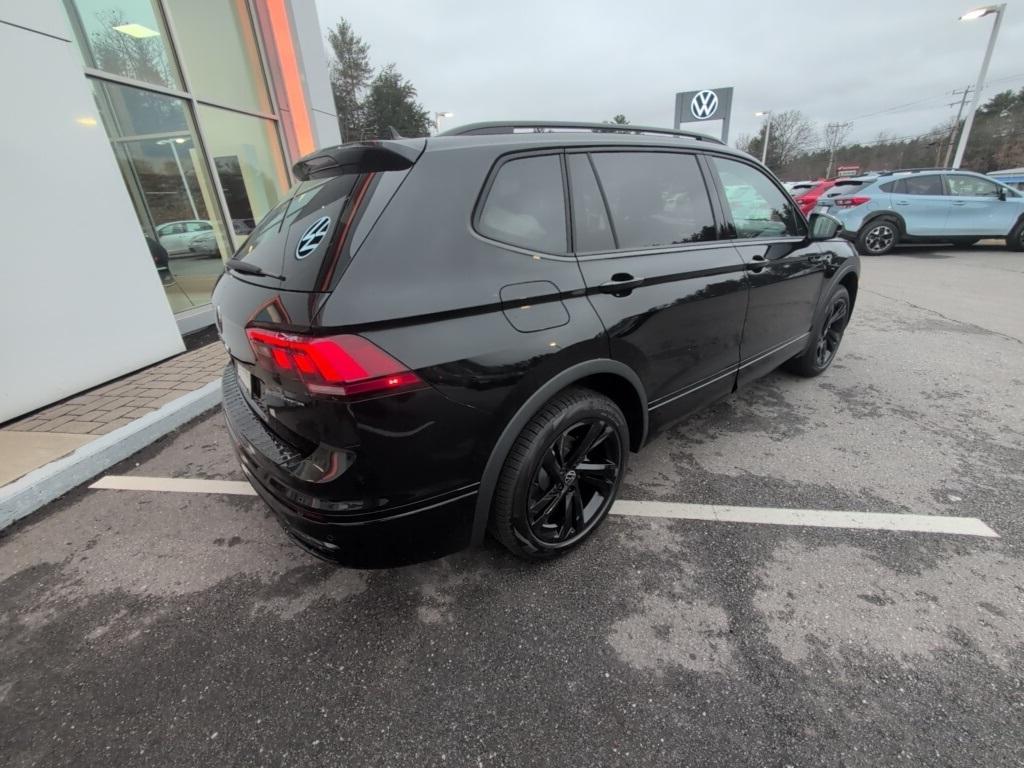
x=245, y=380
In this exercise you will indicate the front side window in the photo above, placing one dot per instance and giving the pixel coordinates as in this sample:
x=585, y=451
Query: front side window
x=759, y=209
x=921, y=185
x=971, y=186
x=655, y=198
x=526, y=205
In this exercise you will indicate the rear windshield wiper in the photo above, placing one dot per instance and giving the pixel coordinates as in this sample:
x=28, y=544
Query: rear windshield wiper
x=251, y=269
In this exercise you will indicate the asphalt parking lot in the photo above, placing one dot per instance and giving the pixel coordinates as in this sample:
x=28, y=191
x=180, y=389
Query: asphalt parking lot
x=160, y=628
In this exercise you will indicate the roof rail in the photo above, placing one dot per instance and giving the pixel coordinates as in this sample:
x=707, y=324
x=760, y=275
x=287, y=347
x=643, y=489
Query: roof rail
x=914, y=170
x=542, y=126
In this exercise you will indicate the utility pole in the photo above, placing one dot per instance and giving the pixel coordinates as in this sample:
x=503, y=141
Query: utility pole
x=956, y=124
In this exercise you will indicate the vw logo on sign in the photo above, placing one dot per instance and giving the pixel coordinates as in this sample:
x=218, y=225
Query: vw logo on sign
x=704, y=104
x=312, y=237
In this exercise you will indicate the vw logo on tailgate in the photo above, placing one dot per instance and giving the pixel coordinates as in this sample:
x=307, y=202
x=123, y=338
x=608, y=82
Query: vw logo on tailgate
x=704, y=104
x=312, y=237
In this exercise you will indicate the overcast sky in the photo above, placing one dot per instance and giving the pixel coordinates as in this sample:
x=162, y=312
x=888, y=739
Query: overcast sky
x=550, y=60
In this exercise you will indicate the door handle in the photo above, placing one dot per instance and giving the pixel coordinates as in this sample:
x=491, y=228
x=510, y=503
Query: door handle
x=621, y=284
x=756, y=263
x=902, y=202
x=959, y=202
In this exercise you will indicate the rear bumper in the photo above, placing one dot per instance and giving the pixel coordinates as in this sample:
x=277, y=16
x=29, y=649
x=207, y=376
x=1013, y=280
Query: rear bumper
x=365, y=537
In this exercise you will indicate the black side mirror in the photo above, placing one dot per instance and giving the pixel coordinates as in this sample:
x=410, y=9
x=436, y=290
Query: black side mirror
x=1002, y=194
x=824, y=227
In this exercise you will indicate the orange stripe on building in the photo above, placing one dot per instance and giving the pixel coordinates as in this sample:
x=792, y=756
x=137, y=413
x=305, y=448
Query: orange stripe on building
x=290, y=77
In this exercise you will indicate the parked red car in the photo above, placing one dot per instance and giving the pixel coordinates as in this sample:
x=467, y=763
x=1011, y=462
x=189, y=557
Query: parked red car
x=807, y=195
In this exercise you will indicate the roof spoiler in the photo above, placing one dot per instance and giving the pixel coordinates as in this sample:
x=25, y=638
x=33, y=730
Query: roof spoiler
x=362, y=157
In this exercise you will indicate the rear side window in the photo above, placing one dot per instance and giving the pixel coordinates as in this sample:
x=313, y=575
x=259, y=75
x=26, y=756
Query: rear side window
x=922, y=185
x=759, y=209
x=655, y=198
x=890, y=186
x=590, y=217
x=526, y=205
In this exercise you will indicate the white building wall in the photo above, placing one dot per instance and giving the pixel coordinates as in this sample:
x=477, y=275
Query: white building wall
x=80, y=301
x=308, y=35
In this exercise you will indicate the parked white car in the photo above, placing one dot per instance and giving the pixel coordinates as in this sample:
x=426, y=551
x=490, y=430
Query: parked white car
x=176, y=236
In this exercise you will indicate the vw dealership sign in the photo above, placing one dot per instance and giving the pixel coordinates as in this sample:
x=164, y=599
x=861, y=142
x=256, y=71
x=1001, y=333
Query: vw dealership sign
x=705, y=104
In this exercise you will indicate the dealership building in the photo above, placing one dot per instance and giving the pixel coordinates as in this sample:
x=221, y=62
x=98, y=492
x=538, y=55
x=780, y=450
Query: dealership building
x=142, y=141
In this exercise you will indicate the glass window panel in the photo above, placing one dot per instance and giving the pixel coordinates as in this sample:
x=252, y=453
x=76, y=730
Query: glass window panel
x=655, y=198
x=218, y=51
x=593, y=231
x=249, y=165
x=123, y=37
x=154, y=142
x=526, y=205
x=759, y=208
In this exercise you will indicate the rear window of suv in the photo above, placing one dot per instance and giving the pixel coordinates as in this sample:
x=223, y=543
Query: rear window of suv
x=525, y=205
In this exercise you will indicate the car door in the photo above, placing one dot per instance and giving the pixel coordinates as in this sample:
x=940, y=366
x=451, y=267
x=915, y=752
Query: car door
x=922, y=203
x=669, y=291
x=786, y=271
x=170, y=236
x=976, y=207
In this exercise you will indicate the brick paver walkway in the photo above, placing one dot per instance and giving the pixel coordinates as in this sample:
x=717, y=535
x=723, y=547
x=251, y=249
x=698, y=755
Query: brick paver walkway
x=113, y=405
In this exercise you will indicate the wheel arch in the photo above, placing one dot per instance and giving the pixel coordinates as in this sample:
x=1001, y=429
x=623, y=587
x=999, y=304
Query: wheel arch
x=871, y=217
x=849, y=281
x=611, y=378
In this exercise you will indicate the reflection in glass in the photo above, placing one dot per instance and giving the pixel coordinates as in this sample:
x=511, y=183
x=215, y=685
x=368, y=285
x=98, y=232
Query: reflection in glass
x=123, y=37
x=218, y=50
x=249, y=165
x=154, y=142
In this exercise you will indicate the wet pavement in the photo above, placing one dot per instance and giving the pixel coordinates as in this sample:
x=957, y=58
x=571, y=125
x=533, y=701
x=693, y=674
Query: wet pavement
x=147, y=628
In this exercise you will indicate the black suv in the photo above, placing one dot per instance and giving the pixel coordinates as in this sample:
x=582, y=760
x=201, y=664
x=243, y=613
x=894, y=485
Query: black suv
x=433, y=338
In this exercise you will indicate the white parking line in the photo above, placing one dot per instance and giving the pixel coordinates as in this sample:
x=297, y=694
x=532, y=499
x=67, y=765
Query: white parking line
x=175, y=484
x=817, y=518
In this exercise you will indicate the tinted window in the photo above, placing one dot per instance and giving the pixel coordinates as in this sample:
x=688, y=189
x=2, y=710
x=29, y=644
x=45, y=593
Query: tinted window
x=655, y=198
x=590, y=217
x=890, y=186
x=759, y=209
x=922, y=185
x=971, y=186
x=526, y=205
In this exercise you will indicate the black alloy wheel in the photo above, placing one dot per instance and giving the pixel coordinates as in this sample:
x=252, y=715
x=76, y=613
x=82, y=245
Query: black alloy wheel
x=832, y=331
x=561, y=476
x=825, y=338
x=573, y=486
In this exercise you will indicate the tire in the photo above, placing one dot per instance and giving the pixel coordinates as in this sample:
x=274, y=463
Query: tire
x=1015, y=240
x=878, y=237
x=552, y=493
x=964, y=242
x=825, y=340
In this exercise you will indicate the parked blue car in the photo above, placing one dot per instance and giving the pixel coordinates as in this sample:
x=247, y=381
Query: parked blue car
x=879, y=212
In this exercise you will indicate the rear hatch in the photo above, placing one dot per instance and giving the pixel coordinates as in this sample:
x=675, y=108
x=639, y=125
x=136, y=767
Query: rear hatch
x=298, y=246
x=842, y=188
x=285, y=367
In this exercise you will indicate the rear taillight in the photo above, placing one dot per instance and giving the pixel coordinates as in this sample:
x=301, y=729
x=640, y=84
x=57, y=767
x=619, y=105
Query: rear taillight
x=331, y=365
x=850, y=202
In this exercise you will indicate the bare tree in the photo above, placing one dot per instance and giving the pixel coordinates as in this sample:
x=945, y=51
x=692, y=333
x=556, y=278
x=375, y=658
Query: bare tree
x=792, y=135
x=834, y=136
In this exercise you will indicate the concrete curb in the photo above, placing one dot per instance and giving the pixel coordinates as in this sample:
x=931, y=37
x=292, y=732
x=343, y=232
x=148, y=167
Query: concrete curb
x=41, y=486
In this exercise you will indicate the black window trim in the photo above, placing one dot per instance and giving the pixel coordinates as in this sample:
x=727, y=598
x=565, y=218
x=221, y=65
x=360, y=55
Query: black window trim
x=733, y=237
x=618, y=252
x=485, y=191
